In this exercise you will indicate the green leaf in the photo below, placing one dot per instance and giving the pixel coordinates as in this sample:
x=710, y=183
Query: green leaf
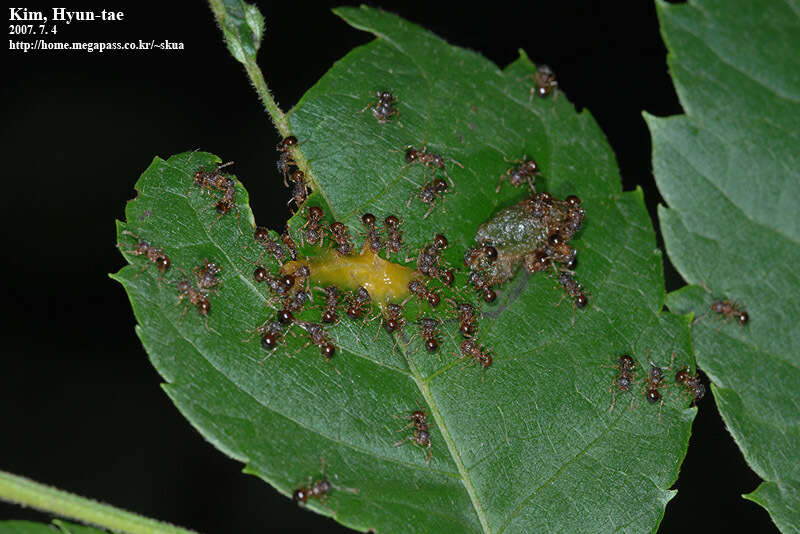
x=527, y=445
x=29, y=527
x=728, y=169
x=243, y=27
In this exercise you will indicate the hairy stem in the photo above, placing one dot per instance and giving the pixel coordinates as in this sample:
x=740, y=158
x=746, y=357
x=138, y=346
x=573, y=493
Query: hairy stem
x=278, y=117
x=254, y=73
x=26, y=492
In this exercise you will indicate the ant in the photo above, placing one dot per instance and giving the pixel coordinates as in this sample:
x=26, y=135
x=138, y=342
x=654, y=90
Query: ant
x=272, y=333
x=329, y=316
x=207, y=275
x=313, y=231
x=575, y=216
x=261, y=235
x=319, y=489
x=428, y=331
x=467, y=319
x=394, y=240
x=393, y=320
x=383, y=110
x=730, y=309
x=655, y=380
x=480, y=257
x=228, y=200
x=470, y=349
x=429, y=193
x=318, y=338
x=280, y=286
x=289, y=243
x=429, y=257
x=429, y=159
x=477, y=281
x=421, y=435
x=545, y=81
x=208, y=180
x=692, y=383
x=538, y=260
x=299, y=188
x=285, y=159
x=155, y=255
x=525, y=171
x=624, y=377
x=341, y=235
x=298, y=301
x=373, y=239
x=423, y=293
x=357, y=303
x=574, y=289
x=198, y=298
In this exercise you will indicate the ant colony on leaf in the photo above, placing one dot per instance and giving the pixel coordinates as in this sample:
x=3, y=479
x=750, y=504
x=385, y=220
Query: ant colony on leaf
x=328, y=278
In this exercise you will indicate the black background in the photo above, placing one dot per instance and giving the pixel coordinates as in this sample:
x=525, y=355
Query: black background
x=81, y=405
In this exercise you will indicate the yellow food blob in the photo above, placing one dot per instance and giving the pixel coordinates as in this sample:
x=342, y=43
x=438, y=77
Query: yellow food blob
x=383, y=279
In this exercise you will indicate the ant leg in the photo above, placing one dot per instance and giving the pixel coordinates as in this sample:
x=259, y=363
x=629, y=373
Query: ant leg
x=404, y=441
x=499, y=184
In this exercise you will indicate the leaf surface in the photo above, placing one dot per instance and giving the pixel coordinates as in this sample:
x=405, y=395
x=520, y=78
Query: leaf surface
x=728, y=170
x=30, y=527
x=528, y=445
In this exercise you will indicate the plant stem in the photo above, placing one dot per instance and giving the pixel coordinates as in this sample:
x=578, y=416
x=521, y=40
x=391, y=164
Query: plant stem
x=259, y=83
x=256, y=76
x=26, y=492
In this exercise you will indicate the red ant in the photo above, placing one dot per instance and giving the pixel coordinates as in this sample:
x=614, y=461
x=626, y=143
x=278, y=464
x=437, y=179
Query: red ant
x=319, y=489
x=298, y=301
x=216, y=180
x=383, y=110
x=470, y=349
x=624, y=377
x=545, y=81
x=313, y=230
x=208, y=180
x=329, y=316
x=393, y=320
x=429, y=193
x=655, y=381
x=480, y=257
x=285, y=160
x=730, y=309
x=357, y=303
x=692, y=383
x=373, y=239
x=299, y=188
x=525, y=171
x=394, y=240
x=421, y=435
x=198, y=298
x=467, y=319
x=291, y=248
x=228, y=200
x=341, y=235
x=429, y=159
x=429, y=257
x=272, y=333
x=207, y=275
x=423, y=293
x=477, y=281
x=261, y=235
x=155, y=255
x=318, y=338
x=574, y=289
x=429, y=332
